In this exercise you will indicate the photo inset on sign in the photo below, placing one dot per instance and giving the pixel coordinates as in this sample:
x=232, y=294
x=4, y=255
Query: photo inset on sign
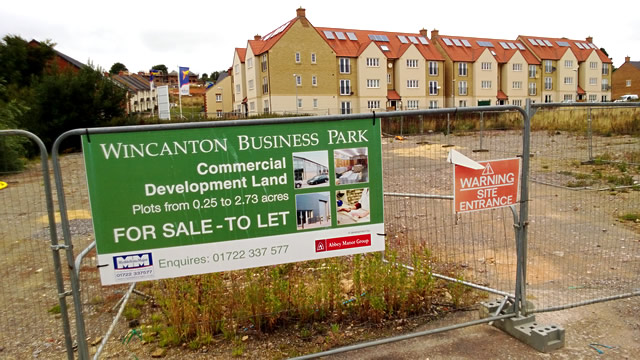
x=310, y=169
x=352, y=206
x=313, y=210
x=351, y=166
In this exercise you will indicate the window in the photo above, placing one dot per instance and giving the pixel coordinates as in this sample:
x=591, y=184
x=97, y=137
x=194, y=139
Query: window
x=486, y=66
x=313, y=58
x=298, y=57
x=605, y=69
x=345, y=87
x=388, y=78
x=486, y=84
x=250, y=63
x=412, y=84
x=218, y=97
x=604, y=97
x=412, y=63
x=433, y=68
x=373, y=83
x=299, y=80
x=433, y=104
x=265, y=85
x=413, y=104
x=373, y=104
x=548, y=98
x=462, y=88
x=266, y=106
x=237, y=88
x=517, y=102
x=517, y=84
x=433, y=88
x=628, y=83
x=237, y=68
x=345, y=107
x=568, y=80
x=219, y=113
x=462, y=69
x=299, y=102
x=314, y=80
x=252, y=106
x=593, y=98
x=568, y=97
x=532, y=71
x=532, y=88
x=345, y=65
x=315, y=103
x=568, y=64
x=605, y=84
x=373, y=62
x=518, y=67
x=548, y=66
x=593, y=65
x=264, y=62
x=593, y=81
x=548, y=83
x=462, y=103
x=250, y=84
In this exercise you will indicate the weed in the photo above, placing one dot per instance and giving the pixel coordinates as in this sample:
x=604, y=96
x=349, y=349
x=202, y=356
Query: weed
x=335, y=328
x=55, y=309
x=624, y=180
x=622, y=167
x=634, y=217
x=131, y=312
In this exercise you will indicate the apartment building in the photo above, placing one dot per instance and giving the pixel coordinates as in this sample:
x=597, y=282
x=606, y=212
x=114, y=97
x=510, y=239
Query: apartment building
x=300, y=68
x=218, y=99
x=487, y=71
x=572, y=70
x=319, y=70
x=626, y=79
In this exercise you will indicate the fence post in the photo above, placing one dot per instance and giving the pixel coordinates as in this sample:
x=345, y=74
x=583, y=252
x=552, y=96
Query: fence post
x=521, y=276
x=590, y=134
x=81, y=335
x=55, y=247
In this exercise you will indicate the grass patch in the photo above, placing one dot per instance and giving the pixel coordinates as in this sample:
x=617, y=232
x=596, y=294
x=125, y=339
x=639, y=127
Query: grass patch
x=633, y=217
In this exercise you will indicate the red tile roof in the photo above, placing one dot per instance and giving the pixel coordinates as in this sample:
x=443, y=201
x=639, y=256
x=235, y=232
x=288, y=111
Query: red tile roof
x=502, y=96
x=242, y=52
x=392, y=95
x=266, y=43
x=581, y=91
x=559, y=47
x=352, y=48
x=472, y=52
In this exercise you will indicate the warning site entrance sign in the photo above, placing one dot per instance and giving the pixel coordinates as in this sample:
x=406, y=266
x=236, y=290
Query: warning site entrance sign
x=496, y=185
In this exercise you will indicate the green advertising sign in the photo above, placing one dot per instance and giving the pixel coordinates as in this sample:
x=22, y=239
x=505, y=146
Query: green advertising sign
x=189, y=201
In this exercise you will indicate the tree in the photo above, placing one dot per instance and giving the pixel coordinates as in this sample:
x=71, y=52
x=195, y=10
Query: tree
x=66, y=100
x=12, y=148
x=161, y=67
x=20, y=62
x=117, y=67
x=214, y=76
x=204, y=77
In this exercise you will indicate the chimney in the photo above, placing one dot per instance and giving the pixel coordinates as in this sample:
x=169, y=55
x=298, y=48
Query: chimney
x=300, y=12
x=589, y=39
x=435, y=34
x=257, y=37
x=424, y=33
x=627, y=59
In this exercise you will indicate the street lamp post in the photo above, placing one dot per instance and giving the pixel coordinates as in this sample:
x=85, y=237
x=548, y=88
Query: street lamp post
x=295, y=84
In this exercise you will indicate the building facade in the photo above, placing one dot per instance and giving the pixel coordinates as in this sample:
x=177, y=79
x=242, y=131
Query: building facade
x=218, y=98
x=300, y=68
x=626, y=79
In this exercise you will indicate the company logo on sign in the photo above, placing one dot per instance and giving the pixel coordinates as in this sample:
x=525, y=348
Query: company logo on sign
x=134, y=261
x=321, y=245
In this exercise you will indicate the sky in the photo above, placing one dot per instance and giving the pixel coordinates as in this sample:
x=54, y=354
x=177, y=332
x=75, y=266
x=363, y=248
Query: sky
x=203, y=34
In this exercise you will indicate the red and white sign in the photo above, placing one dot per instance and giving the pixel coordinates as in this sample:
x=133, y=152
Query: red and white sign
x=492, y=187
x=346, y=242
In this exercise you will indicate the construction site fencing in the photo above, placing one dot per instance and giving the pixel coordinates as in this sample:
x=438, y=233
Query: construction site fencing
x=33, y=309
x=571, y=240
x=583, y=231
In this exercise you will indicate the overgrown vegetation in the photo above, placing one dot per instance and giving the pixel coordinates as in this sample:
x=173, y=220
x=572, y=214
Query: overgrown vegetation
x=601, y=172
x=335, y=291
